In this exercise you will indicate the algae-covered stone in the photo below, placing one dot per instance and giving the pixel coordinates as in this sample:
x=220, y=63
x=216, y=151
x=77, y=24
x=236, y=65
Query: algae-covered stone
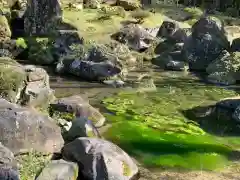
x=59, y=169
x=5, y=32
x=12, y=77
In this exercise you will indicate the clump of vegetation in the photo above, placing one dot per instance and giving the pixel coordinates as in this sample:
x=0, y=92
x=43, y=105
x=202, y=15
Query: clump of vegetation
x=31, y=164
x=20, y=42
x=140, y=15
x=40, y=50
x=153, y=128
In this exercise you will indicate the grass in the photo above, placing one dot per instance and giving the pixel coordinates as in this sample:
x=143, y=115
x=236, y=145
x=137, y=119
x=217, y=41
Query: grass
x=153, y=128
x=85, y=21
x=31, y=164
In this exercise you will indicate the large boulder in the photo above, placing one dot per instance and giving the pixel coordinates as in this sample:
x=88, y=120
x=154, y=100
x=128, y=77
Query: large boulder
x=207, y=41
x=12, y=80
x=37, y=92
x=59, y=169
x=8, y=166
x=70, y=105
x=42, y=17
x=225, y=69
x=100, y=159
x=91, y=63
x=23, y=130
x=134, y=36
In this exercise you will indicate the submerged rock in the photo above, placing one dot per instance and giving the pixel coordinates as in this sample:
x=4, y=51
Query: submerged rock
x=101, y=159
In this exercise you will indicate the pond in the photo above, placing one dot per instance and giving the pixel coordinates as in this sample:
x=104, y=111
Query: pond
x=155, y=127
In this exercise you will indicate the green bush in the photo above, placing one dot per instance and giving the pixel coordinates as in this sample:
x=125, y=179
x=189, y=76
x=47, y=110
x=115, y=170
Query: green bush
x=40, y=50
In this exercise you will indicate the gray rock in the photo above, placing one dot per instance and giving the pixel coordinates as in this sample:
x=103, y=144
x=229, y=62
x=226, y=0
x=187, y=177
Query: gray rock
x=69, y=104
x=59, y=170
x=224, y=69
x=23, y=130
x=135, y=36
x=100, y=159
x=94, y=63
x=207, y=41
x=37, y=91
x=81, y=127
x=172, y=31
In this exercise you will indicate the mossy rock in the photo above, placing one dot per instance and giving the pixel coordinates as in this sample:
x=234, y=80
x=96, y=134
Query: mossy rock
x=5, y=31
x=12, y=77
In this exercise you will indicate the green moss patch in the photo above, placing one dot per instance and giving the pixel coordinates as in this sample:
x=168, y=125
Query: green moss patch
x=154, y=128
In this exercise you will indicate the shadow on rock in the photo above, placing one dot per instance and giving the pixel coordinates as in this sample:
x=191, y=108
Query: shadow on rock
x=214, y=119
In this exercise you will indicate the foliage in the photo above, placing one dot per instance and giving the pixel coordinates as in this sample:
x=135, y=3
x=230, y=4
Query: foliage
x=40, y=50
x=31, y=164
x=20, y=42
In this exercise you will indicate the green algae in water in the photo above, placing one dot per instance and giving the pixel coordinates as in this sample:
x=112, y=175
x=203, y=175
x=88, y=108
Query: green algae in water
x=154, y=148
x=151, y=126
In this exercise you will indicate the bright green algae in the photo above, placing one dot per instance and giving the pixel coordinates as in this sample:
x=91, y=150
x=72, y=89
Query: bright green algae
x=152, y=127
